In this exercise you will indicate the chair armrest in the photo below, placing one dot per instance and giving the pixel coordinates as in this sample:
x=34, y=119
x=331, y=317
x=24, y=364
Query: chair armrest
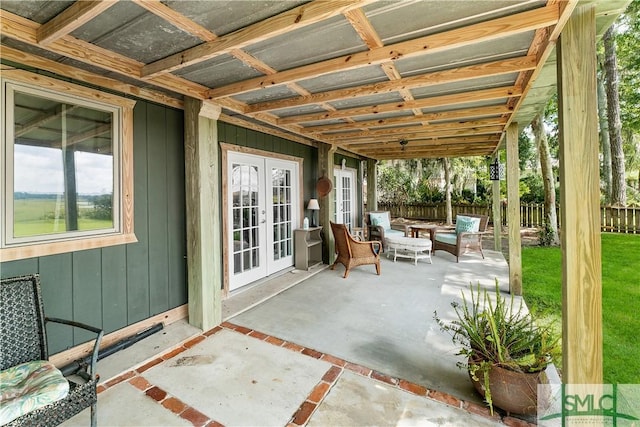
x=358, y=247
x=401, y=227
x=96, y=344
x=377, y=229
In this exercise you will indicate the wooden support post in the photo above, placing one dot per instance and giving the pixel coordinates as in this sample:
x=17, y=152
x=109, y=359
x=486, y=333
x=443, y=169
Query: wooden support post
x=325, y=166
x=202, y=170
x=372, y=184
x=497, y=211
x=580, y=200
x=513, y=211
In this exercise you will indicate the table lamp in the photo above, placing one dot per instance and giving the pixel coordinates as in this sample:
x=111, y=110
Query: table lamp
x=313, y=206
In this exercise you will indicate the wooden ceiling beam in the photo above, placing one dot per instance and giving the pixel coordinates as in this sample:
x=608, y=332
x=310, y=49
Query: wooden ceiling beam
x=400, y=134
x=88, y=77
x=461, y=125
x=460, y=114
x=477, y=33
x=470, y=72
x=25, y=31
x=426, y=142
x=363, y=27
x=411, y=149
x=432, y=154
x=176, y=19
x=435, y=101
x=242, y=122
x=73, y=17
x=290, y=20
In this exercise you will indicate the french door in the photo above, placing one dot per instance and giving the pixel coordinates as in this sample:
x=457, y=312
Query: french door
x=262, y=201
x=346, y=208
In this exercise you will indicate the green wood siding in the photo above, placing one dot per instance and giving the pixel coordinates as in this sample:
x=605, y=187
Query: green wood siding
x=249, y=138
x=117, y=286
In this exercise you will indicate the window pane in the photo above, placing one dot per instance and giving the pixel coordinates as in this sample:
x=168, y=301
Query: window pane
x=63, y=167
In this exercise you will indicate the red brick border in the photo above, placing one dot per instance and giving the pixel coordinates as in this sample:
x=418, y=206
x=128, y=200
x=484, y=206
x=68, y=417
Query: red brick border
x=312, y=401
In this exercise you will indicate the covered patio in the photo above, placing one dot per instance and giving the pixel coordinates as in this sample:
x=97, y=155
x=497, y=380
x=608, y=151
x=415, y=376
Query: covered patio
x=322, y=85
x=313, y=348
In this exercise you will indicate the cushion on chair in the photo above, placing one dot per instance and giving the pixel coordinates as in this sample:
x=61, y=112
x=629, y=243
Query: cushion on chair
x=392, y=232
x=381, y=219
x=449, y=238
x=29, y=386
x=465, y=224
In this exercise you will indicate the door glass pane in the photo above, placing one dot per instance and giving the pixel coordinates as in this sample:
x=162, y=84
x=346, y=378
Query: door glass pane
x=245, y=199
x=281, y=183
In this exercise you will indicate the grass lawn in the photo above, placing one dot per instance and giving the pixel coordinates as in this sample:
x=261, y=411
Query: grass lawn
x=542, y=281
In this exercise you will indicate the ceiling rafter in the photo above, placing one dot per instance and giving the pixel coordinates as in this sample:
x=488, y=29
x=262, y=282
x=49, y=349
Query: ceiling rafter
x=410, y=149
x=460, y=114
x=24, y=30
x=470, y=72
x=435, y=101
x=393, y=144
x=465, y=124
x=176, y=19
x=298, y=17
x=73, y=17
x=12, y=54
x=412, y=134
x=447, y=40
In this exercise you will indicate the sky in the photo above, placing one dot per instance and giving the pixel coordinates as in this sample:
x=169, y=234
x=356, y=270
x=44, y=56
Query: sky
x=39, y=170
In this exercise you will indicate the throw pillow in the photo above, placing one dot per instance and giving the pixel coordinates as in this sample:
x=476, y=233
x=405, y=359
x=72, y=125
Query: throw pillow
x=465, y=224
x=381, y=219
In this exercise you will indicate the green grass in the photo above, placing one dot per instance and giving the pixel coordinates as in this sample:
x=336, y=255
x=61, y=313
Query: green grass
x=35, y=217
x=542, y=288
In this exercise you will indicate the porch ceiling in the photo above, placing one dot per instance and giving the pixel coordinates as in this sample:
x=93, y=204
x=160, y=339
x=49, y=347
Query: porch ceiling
x=446, y=76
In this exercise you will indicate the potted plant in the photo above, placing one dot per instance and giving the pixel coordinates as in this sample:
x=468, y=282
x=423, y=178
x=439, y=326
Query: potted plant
x=506, y=351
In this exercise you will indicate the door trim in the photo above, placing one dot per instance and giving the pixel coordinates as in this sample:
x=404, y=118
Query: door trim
x=225, y=149
x=355, y=210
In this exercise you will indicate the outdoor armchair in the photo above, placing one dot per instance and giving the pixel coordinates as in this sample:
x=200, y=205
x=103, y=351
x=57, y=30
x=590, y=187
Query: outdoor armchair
x=379, y=225
x=352, y=253
x=33, y=391
x=467, y=235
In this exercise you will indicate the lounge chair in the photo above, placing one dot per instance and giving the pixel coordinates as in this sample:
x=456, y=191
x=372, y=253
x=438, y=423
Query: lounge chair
x=467, y=235
x=379, y=225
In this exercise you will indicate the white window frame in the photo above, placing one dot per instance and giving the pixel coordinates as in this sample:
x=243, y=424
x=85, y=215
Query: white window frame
x=13, y=248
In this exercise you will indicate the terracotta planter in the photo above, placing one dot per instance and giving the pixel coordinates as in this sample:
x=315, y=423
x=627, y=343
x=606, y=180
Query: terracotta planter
x=515, y=392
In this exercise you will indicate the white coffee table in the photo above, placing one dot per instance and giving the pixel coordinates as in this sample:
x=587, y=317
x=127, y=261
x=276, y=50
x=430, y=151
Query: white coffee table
x=408, y=247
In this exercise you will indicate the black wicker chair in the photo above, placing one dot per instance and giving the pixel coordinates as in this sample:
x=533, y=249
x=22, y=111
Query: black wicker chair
x=23, y=339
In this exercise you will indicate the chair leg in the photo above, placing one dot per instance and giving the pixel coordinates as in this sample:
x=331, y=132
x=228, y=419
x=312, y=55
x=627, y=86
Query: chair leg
x=333, y=266
x=378, y=267
x=346, y=273
x=94, y=415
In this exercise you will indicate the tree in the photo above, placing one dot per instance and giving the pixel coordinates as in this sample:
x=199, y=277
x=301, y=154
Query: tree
x=446, y=164
x=551, y=216
x=605, y=145
x=618, y=184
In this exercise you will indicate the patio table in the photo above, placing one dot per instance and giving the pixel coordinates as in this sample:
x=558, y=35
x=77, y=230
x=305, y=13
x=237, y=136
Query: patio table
x=416, y=228
x=408, y=247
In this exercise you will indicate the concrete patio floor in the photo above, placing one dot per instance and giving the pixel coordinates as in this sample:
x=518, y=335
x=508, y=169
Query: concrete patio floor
x=326, y=352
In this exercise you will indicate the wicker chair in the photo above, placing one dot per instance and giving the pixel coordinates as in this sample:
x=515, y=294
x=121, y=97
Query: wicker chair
x=459, y=243
x=386, y=228
x=23, y=339
x=352, y=253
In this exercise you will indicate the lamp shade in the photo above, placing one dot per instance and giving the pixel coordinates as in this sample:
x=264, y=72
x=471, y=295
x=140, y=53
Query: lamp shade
x=313, y=205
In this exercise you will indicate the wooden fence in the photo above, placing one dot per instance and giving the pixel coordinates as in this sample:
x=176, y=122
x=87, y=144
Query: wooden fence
x=614, y=219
